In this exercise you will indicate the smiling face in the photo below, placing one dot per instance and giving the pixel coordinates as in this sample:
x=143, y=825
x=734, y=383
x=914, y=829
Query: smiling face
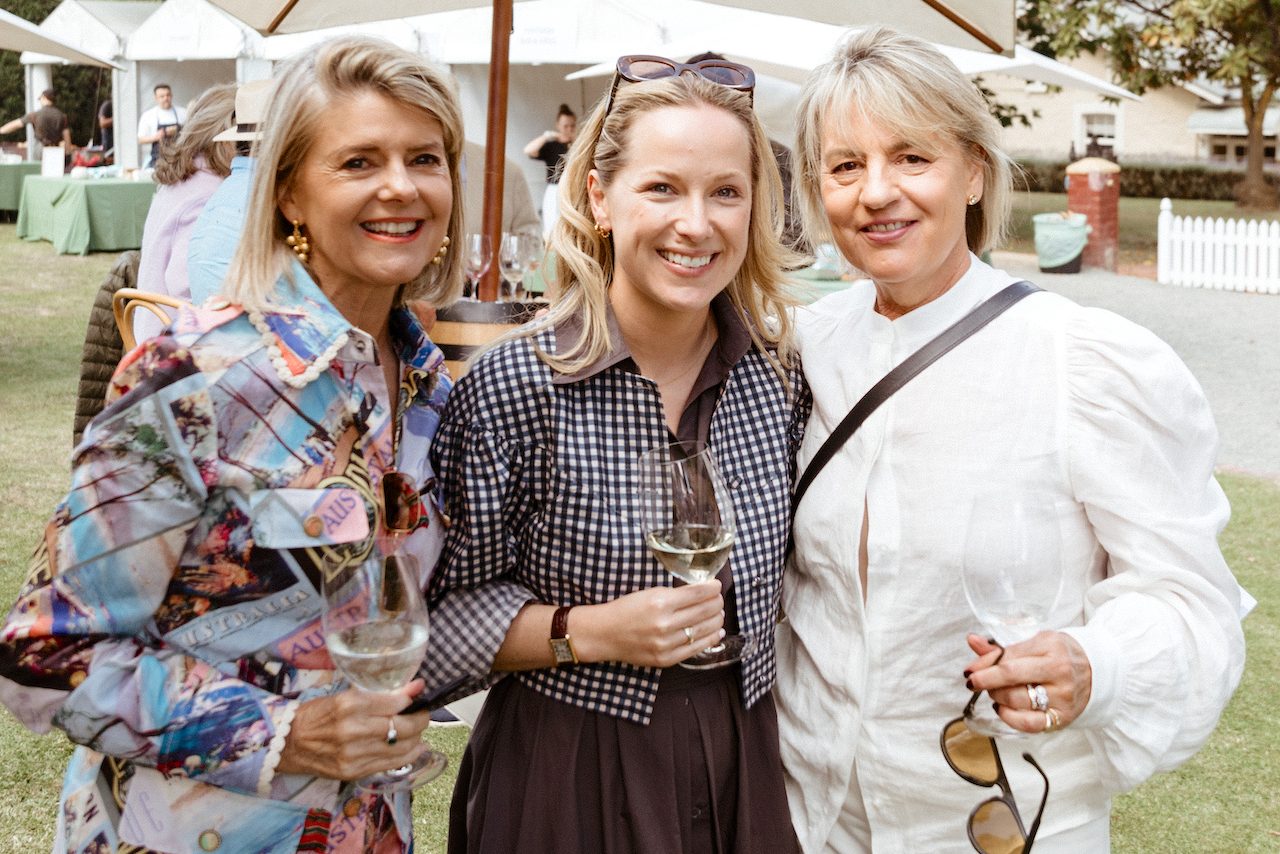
x=897, y=210
x=373, y=193
x=679, y=209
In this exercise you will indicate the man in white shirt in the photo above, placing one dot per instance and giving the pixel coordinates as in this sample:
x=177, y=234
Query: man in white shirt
x=160, y=123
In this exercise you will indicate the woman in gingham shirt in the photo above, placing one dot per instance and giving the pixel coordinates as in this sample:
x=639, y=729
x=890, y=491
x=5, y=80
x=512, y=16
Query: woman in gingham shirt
x=673, y=325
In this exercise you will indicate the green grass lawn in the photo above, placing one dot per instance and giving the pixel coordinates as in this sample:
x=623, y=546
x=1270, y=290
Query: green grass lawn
x=1137, y=225
x=1223, y=800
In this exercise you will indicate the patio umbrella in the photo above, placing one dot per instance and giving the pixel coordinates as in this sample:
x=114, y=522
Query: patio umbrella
x=19, y=34
x=981, y=24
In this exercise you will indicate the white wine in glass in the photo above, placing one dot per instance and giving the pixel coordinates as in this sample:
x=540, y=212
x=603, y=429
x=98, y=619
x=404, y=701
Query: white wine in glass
x=689, y=528
x=375, y=628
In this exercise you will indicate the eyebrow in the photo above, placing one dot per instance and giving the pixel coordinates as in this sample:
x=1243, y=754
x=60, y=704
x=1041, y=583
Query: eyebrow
x=363, y=148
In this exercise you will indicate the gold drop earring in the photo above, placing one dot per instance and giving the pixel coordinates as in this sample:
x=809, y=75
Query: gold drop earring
x=441, y=252
x=299, y=243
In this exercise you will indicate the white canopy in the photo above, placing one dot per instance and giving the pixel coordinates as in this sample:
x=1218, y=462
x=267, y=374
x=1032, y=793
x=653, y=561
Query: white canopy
x=22, y=35
x=1229, y=121
x=192, y=29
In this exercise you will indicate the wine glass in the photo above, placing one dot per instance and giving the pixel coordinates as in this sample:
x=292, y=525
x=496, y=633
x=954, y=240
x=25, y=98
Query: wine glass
x=1012, y=574
x=531, y=249
x=511, y=263
x=375, y=627
x=689, y=528
x=477, y=254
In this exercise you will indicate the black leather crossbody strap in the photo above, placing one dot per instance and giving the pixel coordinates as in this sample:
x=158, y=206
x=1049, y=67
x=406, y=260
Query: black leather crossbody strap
x=902, y=374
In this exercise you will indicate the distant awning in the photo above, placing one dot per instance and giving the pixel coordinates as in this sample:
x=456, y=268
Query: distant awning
x=1229, y=121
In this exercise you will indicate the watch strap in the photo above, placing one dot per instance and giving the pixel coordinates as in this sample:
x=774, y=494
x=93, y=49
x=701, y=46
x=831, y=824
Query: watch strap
x=560, y=622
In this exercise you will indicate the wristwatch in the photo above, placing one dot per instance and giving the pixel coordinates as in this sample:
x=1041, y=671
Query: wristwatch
x=561, y=644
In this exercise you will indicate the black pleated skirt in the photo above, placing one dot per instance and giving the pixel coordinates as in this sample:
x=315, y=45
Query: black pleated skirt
x=705, y=777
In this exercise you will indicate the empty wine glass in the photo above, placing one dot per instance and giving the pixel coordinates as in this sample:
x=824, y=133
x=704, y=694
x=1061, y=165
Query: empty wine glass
x=477, y=254
x=1012, y=573
x=375, y=627
x=511, y=263
x=689, y=528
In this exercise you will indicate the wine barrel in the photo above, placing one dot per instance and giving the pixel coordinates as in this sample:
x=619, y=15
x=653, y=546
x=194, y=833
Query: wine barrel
x=468, y=325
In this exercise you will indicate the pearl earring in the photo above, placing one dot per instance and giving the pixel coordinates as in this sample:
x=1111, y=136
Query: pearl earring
x=972, y=200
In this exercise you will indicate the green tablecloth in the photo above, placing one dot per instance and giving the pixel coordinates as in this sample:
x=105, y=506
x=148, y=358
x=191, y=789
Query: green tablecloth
x=11, y=175
x=83, y=215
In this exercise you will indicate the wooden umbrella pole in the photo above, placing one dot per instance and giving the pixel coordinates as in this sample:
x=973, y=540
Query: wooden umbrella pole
x=496, y=142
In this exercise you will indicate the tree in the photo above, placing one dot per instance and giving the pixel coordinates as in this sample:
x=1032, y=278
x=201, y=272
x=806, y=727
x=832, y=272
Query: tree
x=1153, y=43
x=79, y=88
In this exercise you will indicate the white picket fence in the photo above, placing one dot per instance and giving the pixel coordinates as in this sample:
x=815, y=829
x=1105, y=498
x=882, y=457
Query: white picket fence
x=1223, y=254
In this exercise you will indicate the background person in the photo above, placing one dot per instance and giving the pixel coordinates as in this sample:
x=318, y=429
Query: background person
x=1079, y=410
x=671, y=325
x=551, y=147
x=48, y=122
x=171, y=625
x=106, y=130
x=188, y=172
x=160, y=123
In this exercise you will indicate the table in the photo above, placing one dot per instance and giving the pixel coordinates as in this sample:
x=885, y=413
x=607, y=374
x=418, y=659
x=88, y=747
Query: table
x=11, y=175
x=79, y=215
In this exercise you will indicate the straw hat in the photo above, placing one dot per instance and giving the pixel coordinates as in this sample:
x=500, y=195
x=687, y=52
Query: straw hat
x=251, y=108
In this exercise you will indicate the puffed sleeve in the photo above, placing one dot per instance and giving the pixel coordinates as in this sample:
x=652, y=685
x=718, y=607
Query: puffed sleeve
x=474, y=596
x=80, y=649
x=1162, y=630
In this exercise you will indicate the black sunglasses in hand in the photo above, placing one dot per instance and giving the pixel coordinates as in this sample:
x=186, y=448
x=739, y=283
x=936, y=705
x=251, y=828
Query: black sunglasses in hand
x=995, y=825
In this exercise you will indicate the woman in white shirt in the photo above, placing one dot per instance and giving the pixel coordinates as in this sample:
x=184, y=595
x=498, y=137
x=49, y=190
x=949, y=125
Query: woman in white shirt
x=1074, y=408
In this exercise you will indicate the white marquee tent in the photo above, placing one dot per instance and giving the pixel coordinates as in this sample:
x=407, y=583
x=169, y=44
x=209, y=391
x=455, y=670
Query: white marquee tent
x=97, y=27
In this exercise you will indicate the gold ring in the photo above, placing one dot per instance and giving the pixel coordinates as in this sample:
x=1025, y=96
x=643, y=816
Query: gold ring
x=392, y=735
x=1052, y=720
x=688, y=632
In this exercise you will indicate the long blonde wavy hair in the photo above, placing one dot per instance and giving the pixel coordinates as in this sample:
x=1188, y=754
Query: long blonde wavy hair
x=584, y=259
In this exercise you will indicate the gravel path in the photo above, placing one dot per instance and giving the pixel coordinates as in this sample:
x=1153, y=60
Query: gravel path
x=1231, y=342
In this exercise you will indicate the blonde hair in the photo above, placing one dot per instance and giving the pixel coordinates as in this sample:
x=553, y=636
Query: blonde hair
x=307, y=86
x=584, y=259
x=209, y=115
x=907, y=87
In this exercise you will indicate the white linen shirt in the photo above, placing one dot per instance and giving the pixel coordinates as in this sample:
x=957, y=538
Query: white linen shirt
x=1063, y=402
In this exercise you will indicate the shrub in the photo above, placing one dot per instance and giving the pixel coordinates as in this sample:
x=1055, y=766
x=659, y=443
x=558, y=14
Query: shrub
x=1145, y=180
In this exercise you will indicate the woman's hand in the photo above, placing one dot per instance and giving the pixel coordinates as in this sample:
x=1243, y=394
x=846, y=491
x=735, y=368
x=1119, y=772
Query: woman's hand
x=344, y=736
x=648, y=627
x=1050, y=659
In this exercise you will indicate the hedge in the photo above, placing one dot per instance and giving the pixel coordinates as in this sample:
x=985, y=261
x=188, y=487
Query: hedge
x=1144, y=180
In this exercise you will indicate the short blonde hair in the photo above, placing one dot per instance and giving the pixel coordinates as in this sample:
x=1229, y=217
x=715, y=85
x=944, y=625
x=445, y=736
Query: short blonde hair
x=209, y=115
x=907, y=87
x=307, y=85
x=584, y=259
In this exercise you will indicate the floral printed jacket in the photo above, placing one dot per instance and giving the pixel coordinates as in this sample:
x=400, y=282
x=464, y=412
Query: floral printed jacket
x=170, y=624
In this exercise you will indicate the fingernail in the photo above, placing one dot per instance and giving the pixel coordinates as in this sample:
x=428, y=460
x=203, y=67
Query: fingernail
x=722, y=634
x=968, y=683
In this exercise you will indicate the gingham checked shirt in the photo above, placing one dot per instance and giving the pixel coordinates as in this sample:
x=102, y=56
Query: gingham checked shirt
x=539, y=474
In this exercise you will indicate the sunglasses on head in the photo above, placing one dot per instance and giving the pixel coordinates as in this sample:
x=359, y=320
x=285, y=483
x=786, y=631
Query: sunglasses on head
x=637, y=68
x=995, y=825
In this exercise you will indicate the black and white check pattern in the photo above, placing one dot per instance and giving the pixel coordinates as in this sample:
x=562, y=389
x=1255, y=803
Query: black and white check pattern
x=541, y=485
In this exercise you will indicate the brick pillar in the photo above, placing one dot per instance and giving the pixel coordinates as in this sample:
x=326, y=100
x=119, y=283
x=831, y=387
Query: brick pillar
x=1093, y=189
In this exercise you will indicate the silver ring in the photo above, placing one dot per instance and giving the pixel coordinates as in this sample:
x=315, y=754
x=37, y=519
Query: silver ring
x=688, y=632
x=392, y=735
x=1039, y=698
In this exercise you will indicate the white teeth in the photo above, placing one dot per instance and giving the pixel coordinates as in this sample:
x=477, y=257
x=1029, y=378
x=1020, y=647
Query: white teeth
x=886, y=226
x=687, y=260
x=390, y=227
